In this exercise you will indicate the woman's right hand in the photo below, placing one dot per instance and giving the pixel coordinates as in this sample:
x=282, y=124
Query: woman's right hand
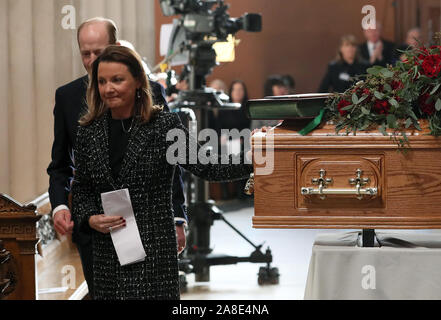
x=263, y=129
x=106, y=224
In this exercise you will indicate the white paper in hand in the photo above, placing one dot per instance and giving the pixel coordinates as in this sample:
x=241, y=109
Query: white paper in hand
x=127, y=241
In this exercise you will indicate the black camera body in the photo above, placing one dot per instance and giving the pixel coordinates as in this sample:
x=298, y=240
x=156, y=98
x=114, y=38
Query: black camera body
x=200, y=19
x=220, y=25
x=203, y=23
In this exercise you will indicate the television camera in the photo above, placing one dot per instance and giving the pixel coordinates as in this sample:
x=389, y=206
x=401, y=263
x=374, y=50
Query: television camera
x=201, y=25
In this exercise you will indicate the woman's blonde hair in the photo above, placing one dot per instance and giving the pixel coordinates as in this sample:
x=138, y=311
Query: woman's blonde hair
x=347, y=38
x=143, y=109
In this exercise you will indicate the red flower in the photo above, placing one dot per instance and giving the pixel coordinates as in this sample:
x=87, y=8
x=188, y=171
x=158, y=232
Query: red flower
x=431, y=65
x=367, y=92
x=381, y=107
x=427, y=108
x=397, y=85
x=423, y=52
x=343, y=103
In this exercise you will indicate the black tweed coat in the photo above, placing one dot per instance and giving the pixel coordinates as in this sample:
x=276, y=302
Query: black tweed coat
x=148, y=176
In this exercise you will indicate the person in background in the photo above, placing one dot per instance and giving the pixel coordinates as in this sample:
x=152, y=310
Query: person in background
x=341, y=72
x=218, y=85
x=128, y=44
x=274, y=86
x=173, y=91
x=376, y=50
x=289, y=82
x=413, y=40
x=238, y=93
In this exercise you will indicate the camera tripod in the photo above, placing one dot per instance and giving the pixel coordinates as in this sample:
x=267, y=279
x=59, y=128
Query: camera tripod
x=198, y=257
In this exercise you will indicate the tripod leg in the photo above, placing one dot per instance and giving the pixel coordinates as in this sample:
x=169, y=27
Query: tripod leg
x=199, y=241
x=237, y=231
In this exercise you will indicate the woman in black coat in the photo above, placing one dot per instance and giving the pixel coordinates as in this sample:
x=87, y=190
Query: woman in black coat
x=341, y=72
x=122, y=142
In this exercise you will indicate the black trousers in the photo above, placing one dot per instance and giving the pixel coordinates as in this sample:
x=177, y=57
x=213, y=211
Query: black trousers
x=86, y=256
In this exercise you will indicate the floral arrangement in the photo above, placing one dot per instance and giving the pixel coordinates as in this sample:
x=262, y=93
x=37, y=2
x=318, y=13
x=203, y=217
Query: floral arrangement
x=393, y=97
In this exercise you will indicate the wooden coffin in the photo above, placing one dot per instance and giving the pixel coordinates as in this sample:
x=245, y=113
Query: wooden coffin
x=325, y=180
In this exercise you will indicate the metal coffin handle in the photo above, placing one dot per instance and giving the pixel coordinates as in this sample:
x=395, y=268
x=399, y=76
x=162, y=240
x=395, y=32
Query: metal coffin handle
x=357, y=191
x=322, y=189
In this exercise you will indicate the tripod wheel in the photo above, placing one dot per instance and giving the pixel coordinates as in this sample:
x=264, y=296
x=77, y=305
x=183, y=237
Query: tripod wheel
x=268, y=275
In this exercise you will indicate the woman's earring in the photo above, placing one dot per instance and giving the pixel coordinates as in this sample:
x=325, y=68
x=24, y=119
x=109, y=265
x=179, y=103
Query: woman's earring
x=138, y=93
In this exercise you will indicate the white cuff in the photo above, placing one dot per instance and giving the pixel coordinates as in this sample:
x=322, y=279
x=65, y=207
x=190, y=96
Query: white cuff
x=59, y=208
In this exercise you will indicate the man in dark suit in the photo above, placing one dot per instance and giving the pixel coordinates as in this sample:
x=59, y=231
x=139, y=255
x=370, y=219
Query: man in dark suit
x=93, y=37
x=377, y=51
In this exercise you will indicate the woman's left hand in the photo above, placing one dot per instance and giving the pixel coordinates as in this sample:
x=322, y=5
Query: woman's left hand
x=106, y=224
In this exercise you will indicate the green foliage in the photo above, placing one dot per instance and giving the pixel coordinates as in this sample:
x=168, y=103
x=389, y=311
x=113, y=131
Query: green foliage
x=393, y=98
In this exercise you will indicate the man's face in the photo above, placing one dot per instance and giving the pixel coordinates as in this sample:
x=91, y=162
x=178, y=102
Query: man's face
x=413, y=38
x=373, y=35
x=92, y=40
